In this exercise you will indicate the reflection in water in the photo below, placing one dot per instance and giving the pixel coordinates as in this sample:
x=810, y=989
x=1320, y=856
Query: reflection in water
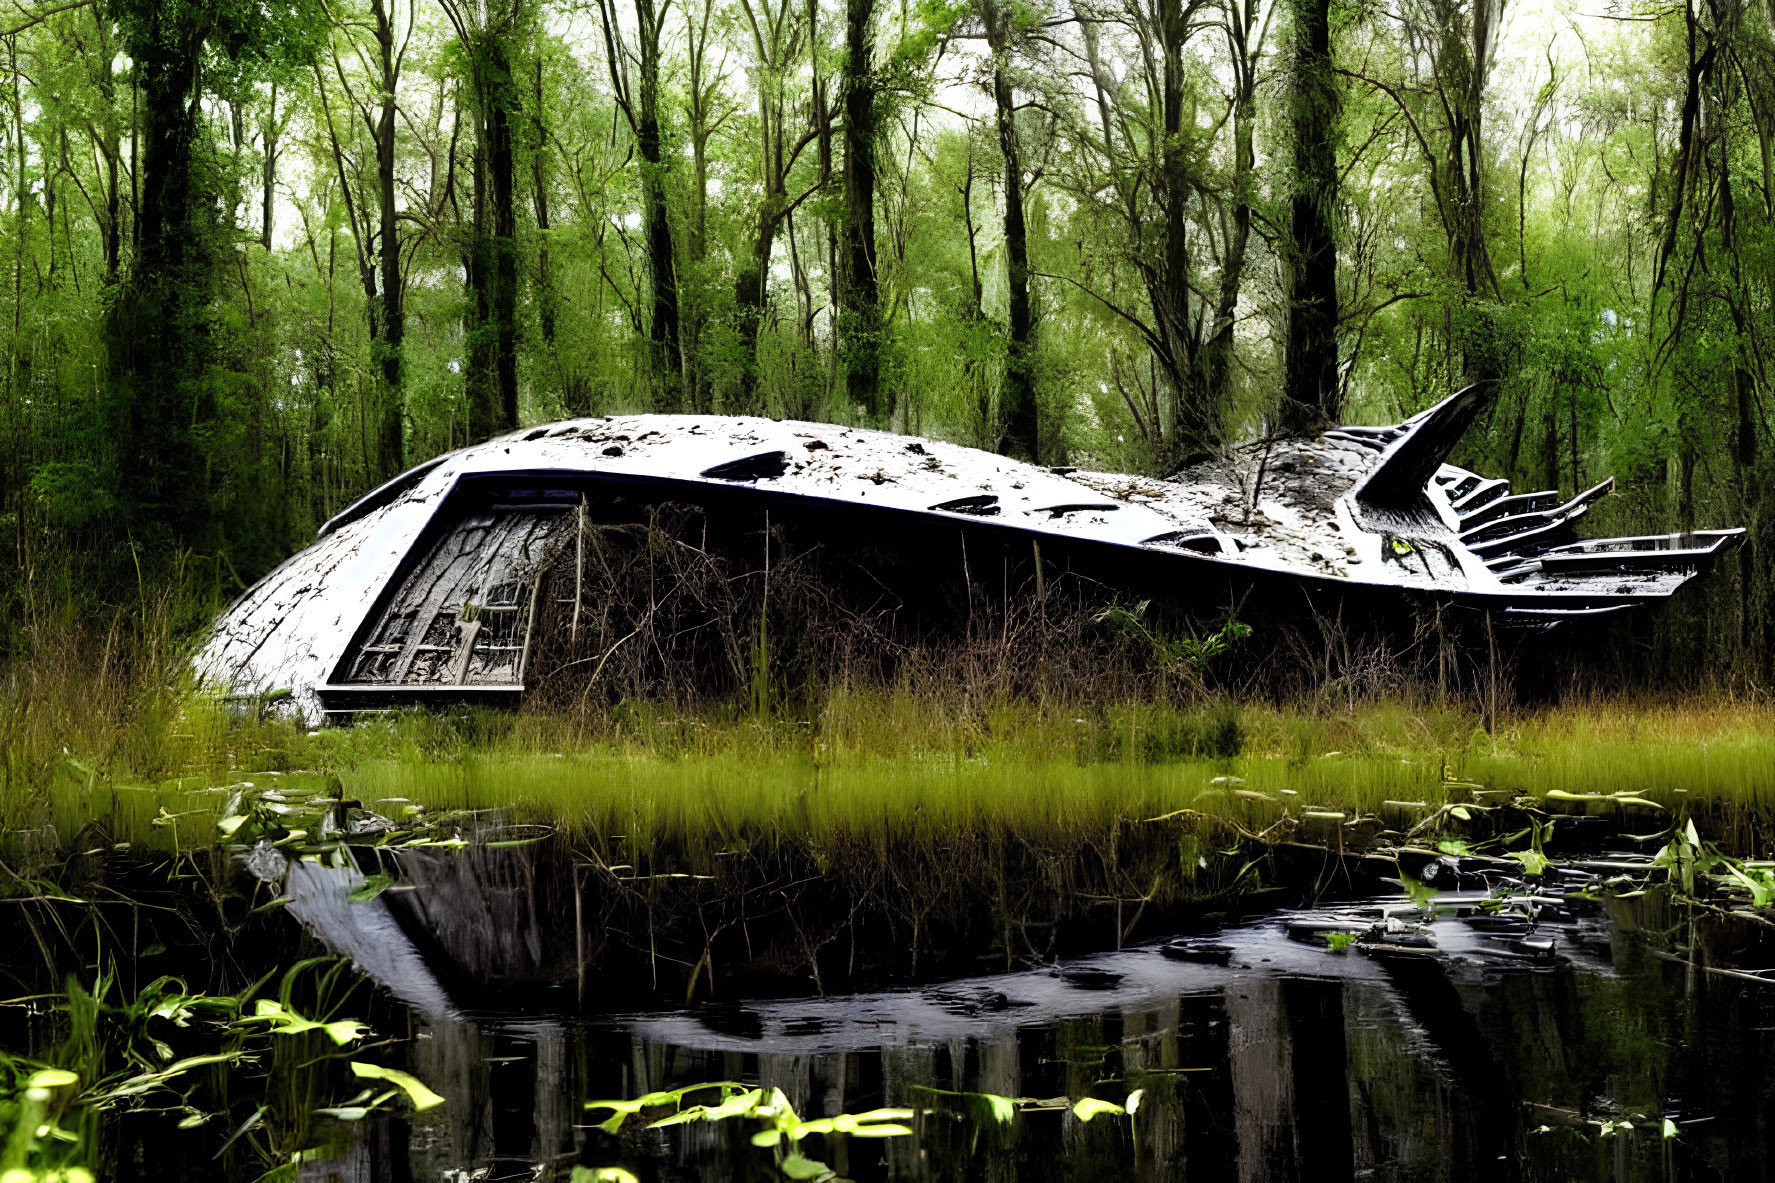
x=1289, y=1062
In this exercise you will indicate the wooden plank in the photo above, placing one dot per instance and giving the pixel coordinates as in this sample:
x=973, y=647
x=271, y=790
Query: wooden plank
x=459, y=667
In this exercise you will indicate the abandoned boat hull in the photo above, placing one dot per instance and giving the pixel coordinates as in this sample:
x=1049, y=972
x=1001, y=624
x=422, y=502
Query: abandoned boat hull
x=426, y=587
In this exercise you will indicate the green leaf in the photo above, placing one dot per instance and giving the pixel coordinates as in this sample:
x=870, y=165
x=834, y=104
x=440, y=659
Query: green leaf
x=148, y=1081
x=1133, y=1102
x=603, y=1175
x=1669, y=1128
x=1089, y=1107
x=876, y=1123
x=51, y=1078
x=288, y=1022
x=1533, y=861
x=346, y=1112
x=621, y=1110
x=373, y=886
x=422, y=1097
x=797, y=1167
x=1461, y=813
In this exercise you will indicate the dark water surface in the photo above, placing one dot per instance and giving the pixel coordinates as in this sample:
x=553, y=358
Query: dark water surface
x=1539, y=1037
x=1486, y=1056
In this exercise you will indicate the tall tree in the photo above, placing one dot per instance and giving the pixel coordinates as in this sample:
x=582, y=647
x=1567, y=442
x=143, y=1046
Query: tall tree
x=708, y=106
x=1312, y=395
x=488, y=31
x=639, y=103
x=860, y=299
x=372, y=210
x=1002, y=24
x=163, y=339
x=1159, y=210
x=777, y=31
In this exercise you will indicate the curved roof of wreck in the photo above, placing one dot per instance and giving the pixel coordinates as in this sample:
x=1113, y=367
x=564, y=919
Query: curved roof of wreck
x=1366, y=505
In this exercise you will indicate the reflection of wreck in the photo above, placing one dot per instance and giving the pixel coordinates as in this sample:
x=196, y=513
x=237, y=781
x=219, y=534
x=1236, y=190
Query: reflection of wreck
x=429, y=586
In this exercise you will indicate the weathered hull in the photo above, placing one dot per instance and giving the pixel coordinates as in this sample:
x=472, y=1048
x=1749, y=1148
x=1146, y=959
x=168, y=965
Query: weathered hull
x=427, y=588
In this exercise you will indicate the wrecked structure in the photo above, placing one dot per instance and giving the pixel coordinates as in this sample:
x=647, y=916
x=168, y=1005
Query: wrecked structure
x=432, y=586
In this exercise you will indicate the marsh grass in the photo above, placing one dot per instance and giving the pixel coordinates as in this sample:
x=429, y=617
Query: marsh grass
x=103, y=739
x=900, y=767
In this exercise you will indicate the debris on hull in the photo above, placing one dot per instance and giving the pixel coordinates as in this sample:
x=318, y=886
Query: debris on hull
x=428, y=586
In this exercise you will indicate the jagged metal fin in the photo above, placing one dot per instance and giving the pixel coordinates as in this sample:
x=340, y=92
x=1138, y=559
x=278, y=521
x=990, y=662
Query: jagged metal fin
x=1423, y=442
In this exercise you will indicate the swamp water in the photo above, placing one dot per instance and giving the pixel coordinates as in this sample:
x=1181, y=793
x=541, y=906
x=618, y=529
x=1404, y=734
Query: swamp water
x=468, y=1017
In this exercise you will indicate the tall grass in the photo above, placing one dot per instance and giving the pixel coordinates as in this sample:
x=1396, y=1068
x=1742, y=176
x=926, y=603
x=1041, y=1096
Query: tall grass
x=100, y=734
x=898, y=767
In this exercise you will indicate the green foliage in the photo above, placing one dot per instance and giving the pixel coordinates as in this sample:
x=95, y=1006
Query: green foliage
x=257, y=1081
x=180, y=388
x=781, y=1129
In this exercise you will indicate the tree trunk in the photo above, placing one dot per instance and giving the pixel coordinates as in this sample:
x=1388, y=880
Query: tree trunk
x=1469, y=61
x=481, y=381
x=662, y=267
x=159, y=348
x=505, y=248
x=1312, y=395
x=539, y=186
x=390, y=452
x=749, y=289
x=1017, y=399
x=110, y=138
x=861, y=300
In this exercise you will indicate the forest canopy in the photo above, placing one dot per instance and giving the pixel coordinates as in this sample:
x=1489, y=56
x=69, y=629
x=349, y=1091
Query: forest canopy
x=258, y=256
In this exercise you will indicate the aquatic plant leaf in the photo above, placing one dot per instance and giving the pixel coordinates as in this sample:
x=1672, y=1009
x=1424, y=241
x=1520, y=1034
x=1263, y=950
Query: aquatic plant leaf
x=744, y=1103
x=797, y=1167
x=1454, y=846
x=422, y=1097
x=1461, y=813
x=1533, y=861
x=1088, y=1107
x=876, y=1123
x=359, y=1106
x=1760, y=882
x=603, y=1175
x=228, y=825
x=148, y=1081
x=1001, y=1108
x=1613, y=798
x=1669, y=1128
x=241, y=1131
x=345, y=1112
x=288, y=1022
x=51, y=1078
x=622, y=1110
x=1133, y=1101
x=373, y=886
